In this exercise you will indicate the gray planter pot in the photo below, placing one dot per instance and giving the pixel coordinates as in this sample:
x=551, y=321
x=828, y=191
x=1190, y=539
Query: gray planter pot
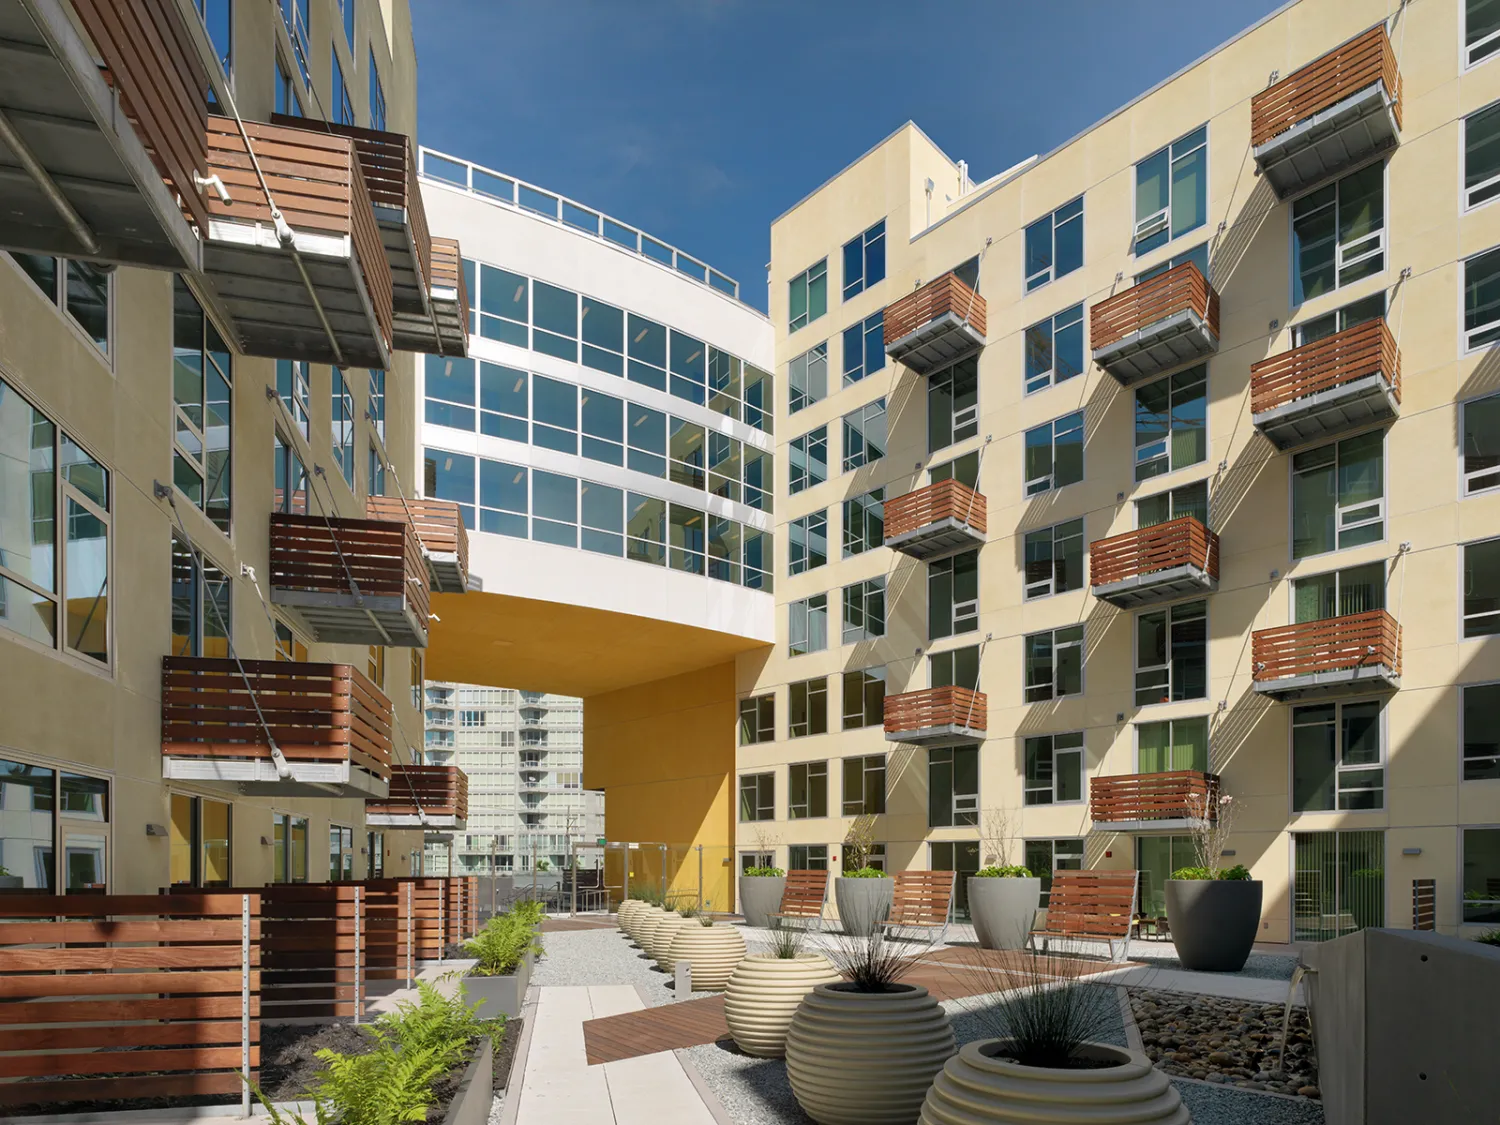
x=863, y=903
x=500, y=996
x=1003, y=910
x=476, y=1093
x=1214, y=922
x=760, y=897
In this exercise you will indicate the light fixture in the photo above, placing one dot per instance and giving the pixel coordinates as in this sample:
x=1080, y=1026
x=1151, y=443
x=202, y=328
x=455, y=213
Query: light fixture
x=1411, y=851
x=156, y=830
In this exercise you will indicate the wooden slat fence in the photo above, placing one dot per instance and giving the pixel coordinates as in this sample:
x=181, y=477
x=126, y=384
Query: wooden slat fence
x=383, y=556
x=942, y=295
x=438, y=523
x=435, y=790
x=1354, y=353
x=448, y=271
x=1424, y=904
x=422, y=914
x=946, y=499
x=1181, y=289
x=1173, y=795
x=1327, y=80
x=1334, y=644
x=932, y=707
x=1180, y=542
x=313, y=951
x=463, y=907
x=108, y=997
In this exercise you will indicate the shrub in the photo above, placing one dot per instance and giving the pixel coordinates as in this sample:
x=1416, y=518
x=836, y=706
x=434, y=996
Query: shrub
x=872, y=962
x=1194, y=873
x=1489, y=937
x=1010, y=871
x=786, y=941
x=865, y=873
x=1238, y=873
x=506, y=939
x=759, y=872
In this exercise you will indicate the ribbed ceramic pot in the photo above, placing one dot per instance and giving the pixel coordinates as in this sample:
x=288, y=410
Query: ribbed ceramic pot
x=622, y=916
x=633, y=920
x=645, y=923
x=713, y=951
x=762, y=995
x=979, y=1087
x=866, y=1058
x=666, y=930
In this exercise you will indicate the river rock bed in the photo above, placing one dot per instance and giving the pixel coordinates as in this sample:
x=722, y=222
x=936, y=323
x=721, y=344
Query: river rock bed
x=1232, y=1042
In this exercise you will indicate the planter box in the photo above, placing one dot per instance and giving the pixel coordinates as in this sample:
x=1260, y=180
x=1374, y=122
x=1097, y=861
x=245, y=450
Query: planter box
x=760, y=897
x=475, y=1094
x=500, y=996
x=1214, y=922
x=1003, y=910
x=863, y=903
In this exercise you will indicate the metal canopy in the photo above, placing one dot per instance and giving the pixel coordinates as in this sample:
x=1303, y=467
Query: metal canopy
x=438, y=821
x=1176, y=825
x=342, y=619
x=935, y=344
x=1346, y=407
x=1171, y=342
x=936, y=540
x=445, y=573
x=1347, y=133
x=1157, y=586
x=943, y=734
x=258, y=777
x=1332, y=684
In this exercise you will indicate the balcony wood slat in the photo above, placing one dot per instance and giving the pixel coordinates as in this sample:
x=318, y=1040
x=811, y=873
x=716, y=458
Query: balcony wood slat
x=435, y=790
x=1153, y=796
x=440, y=528
x=1334, y=644
x=1362, y=61
x=1363, y=350
x=309, y=553
x=943, y=295
x=1177, y=543
x=1182, y=288
x=935, y=707
x=945, y=499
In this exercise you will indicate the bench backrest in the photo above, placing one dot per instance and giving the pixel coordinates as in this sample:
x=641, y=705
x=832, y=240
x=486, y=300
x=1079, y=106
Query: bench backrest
x=922, y=898
x=1097, y=903
x=804, y=894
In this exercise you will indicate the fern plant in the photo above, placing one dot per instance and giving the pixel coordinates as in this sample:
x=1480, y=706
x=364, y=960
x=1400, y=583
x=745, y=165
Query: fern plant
x=505, y=940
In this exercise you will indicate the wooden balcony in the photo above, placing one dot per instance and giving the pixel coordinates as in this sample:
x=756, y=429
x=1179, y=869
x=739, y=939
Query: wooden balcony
x=1339, y=383
x=435, y=797
x=1164, y=322
x=325, y=295
x=330, y=725
x=357, y=582
x=934, y=522
x=450, y=296
x=942, y=321
x=1178, y=801
x=1337, y=111
x=98, y=162
x=1335, y=656
x=440, y=531
x=944, y=716
x=1176, y=559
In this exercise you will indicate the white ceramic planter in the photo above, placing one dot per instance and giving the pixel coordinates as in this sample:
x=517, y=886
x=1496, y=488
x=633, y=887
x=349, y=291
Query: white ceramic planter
x=760, y=897
x=1003, y=910
x=666, y=930
x=976, y=1087
x=863, y=1058
x=645, y=923
x=622, y=916
x=713, y=951
x=762, y=995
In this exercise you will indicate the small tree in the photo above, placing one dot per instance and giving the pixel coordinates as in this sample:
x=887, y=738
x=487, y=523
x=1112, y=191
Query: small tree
x=859, y=842
x=1212, y=817
x=995, y=835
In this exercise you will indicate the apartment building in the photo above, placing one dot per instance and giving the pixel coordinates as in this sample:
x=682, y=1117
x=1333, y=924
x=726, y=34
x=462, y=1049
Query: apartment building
x=1154, y=473
x=210, y=662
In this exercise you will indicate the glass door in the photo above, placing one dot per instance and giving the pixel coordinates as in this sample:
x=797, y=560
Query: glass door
x=1338, y=883
x=340, y=853
x=961, y=856
x=85, y=857
x=1156, y=857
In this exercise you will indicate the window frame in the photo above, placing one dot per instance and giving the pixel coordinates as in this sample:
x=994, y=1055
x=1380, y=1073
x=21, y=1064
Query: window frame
x=866, y=677
x=1031, y=591
x=1467, y=334
x=1165, y=214
x=818, y=271
x=1042, y=380
x=861, y=505
x=1466, y=49
x=1467, y=203
x=810, y=771
x=1466, y=476
x=1463, y=852
x=759, y=783
x=1028, y=486
x=807, y=607
x=1463, y=722
x=864, y=599
x=1465, y=616
x=865, y=240
x=58, y=300
x=1170, y=623
x=1030, y=283
x=199, y=431
x=815, y=439
x=810, y=690
x=1381, y=237
x=1079, y=753
x=1339, y=768
x=1055, y=648
x=963, y=808
x=869, y=337
x=808, y=525
x=969, y=607
x=1338, y=509
x=856, y=446
x=867, y=770
x=1150, y=465
x=962, y=424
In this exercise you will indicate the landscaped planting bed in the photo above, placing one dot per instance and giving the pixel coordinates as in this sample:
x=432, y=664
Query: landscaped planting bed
x=1233, y=1042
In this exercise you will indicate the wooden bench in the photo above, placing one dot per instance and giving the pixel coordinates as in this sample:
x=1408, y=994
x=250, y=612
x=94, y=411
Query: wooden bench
x=922, y=900
x=803, y=897
x=1091, y=906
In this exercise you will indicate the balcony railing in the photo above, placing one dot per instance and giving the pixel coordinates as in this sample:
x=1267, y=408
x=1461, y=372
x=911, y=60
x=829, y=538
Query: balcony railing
x=330, y=725
x=1336, y=112
x=1177, y=801
x=450, y=296
x=331, y=300
x=1358, y=651
x=1342, y=382
x=1160, y=323
x=422, y=797
x=937, y=324
x=351, y=581
x=943, y=716
x=937, y=521
x=1169, y=560
x=440, y=529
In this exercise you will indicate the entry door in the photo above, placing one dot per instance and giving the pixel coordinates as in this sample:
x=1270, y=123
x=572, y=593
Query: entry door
x=961, y=856
x=85, y=857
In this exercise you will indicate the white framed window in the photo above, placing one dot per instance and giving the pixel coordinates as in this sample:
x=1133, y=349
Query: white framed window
x=81, y=290
x=757, y=796
x=1171, y=191
x=1482, y=155
x=1481, y=875
x=1338, y=756
x=953, y=787
x=1482, y=300
x=864, y=611
x=202, y=377
x=807, y=790
x=1173, y=744
x=953, y=595
x=807, y=625
x=1339, y=593
x=1479, y=735
x=1338, y=233
x=1338, y=495
x=807, y=708
x=1171, y=423
x=864, y=785
x=864, y=260
x=343, y=426
x=807, y=462
x=1054, y=245
x=1054, y=769
x=202, y=604
x=864, y=522
x=864, y=348
x=865, y=435
x=1481, y=30
x=953, y=404
x=807, y=295
x=807, y=542
x=1054, y=349
x=1053, y=559
x=1171, y=654
x=292, y=386
x=864, y=698
x=1053, y=664
x=1479, y=457
x=1481, y=588
x=1054, y=454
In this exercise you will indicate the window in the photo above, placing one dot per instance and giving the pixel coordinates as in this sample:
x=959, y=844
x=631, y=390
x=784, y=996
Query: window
x=953, y=787
x=864, y=611
x=1054, y=769
x=1044, y=857
x=953, y=404
x=603, y=332
x=1482, y=588
x=377, y=97
x=1481, y=445
x=218, y=19
x=30, y=849
x=343, y=426
x=958, y=667
x=685, y=537
x=1171, y=191
x=504, y=498
x=724, y=465
x=1164, y=747
x=374, y=847
x=864, y=435
x=1355, y=589
x=343, y=105
x=864, y=260
x=808, y=295
x=758, y=474
x=347, y=8
x=295, y=14
x=807, y=378
x=288, y=647
x=416, y=677
x=688, y=360
x=201, y=380
x=80, y=289
x=864, y=348
x=807, y=857
x=963, y=469
x=1189, y=500
x=1338, y=495
x=807, y=790
x=808, y=460
x=1337, y=757
x=554, y=319
x=375, y=405
x=448, y=390
x=200, y=842
x=1054, y=559
x=1171, y=423
x=340, y=853
x=864, y=785
x=1481, y=875
x=292, y=387
x=758, y=412
x=1054, y=245
x=756, y=548
x=864, y=522
x=52, y=593
x=1054, y=664
x=375, y=666
x=807, y=708
x=1171, y=654
x=874, y=858
x=685, y=447
x=1481, y=732
x=953, y=595
x=202, y=605
x=1054, y=349
x=757, y=796
x=1482, y=300
x=807, y=542
x=808, y=625
x=1338, y=234
x=289, y=855
x=864, y=698
x=646, y=348
x=1198, y=255
x=554, y=414
x=1338, y=883
x=1481, y=30
x=1054, y=454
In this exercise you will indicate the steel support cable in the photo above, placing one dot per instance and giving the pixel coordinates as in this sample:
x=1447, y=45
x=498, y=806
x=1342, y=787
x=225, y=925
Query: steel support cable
x=978, y=663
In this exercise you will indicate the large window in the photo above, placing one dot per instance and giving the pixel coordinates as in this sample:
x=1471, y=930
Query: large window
x=292, y=387
x=807, y=379
x=1054, y=559
x=963, y=469
x=343, y=104
x=864, y=435
x=1168, y=746
x=80, y=289
x=807, y=625
x=953, y=404
x=757, y=796
x=1054, y=245
x=1188, y=500
x=807, y=295
x=953, y=595
x=218, y=20
x=1338, y=233
x=864, y=260
x=864, y=785
x=1481, y=582
x=1481, y=30
x=1054, y=664
x=201, y=395
x=864, y=348
x=958, y=667
x=1482, y=300
x=54, y=537
x=1481, y=875
x=202, y=605
x=953, y=787
x=1054, y=454
x=1338, y=495
x=1171, y=423
x=1054, y=349
x=377, y=97
x=343, y=426
x=1171, y=654
x=864, y=698
x=807, y=857
x=807, y=708
x=1337, y=757
x=200, y=842
x=56, y=834
x=1338, y=883
x=289, y=853
x=1054, y=769
x=1482, y=155
x=1480, y=452
x=864, y=611
x=1338, y=593
x=1171, y=191
x=1044, y=857
x=1481, y=732
x=807, y=790
x=864, y=522
x=807, y=463
x=807, y=542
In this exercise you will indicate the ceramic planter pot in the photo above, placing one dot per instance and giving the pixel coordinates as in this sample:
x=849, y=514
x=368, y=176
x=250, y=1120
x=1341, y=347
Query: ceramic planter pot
x=863, y=903
x=979, y=1085
x=622, y=916
x=1003, y=910
x=866, y=1058
x=713, y=951
x=645, y=923
x=763, y=994
x=760, y=897
x=666, y=930
x=632, y=919
x=1214, y=922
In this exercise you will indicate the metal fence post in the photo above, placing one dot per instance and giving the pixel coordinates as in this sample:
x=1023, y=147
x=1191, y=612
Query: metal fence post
x=245, y=1005
x=359, y=951
x=410, y=936
x=443, y=922
x=700, y=876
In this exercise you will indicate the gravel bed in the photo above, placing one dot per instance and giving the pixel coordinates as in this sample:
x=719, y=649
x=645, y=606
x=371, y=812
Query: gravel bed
x=1261, y=966
x=1231, y=1042
x=599, y=956
x=1224, y=1105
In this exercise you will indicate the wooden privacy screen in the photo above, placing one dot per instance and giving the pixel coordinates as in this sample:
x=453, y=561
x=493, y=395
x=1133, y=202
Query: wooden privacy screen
x=1424, y=904
x=463, y=907
x=438, y=523
x=1181, y=289
x=448, y=272
x=1365, y=349
x=1335, y=644
x=1326, y=81
x=946, y=499
x=422, y=913
x=1175, y=795
x=935, y=707
x=98, y=991
x=313, y=951
x=435, y=790
x=384, y=557
x=1180, y=542
x=943, y=295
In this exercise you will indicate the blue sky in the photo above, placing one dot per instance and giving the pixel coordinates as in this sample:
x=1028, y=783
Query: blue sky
x=700, y=121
